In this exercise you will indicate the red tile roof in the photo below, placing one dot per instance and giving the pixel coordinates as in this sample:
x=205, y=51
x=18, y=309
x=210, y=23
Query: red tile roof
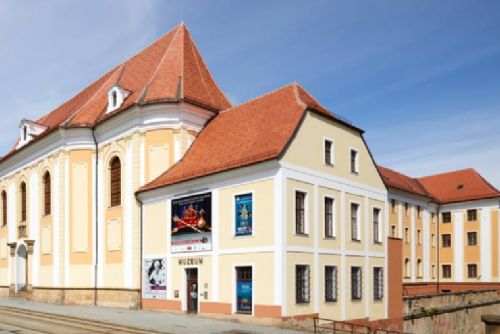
x=459, y=186
x=253, y=132
x=169, y=70
x=402, y=182
x=451, y=187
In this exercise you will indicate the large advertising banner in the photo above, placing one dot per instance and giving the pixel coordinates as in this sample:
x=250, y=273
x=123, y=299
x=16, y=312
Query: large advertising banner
x=243, y=215
x=155, y=278
x=192, y=223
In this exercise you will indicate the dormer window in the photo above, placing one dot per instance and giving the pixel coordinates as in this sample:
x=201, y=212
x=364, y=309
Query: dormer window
x=116, y=96
x=28, y=131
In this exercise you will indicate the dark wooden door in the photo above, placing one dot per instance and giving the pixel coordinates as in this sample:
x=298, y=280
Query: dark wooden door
x=192, y=290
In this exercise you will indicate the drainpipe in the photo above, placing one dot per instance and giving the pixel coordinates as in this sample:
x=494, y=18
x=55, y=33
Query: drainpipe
x=141, y=219
x=96, y=214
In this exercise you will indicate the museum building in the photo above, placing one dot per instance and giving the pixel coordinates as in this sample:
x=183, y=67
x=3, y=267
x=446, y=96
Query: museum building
x=150, y=189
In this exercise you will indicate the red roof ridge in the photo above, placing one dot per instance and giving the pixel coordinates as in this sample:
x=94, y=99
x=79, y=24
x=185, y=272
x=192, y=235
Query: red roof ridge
x=449, y=172
x=193, y=43
x=257, y=97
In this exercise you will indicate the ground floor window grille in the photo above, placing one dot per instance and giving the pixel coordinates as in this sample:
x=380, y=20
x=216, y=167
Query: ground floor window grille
x=302, y=284
x=378, y=283
x=331, y=284
x=356, y=283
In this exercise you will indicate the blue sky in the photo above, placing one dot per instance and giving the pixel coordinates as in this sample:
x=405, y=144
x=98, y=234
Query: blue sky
x=421, y=77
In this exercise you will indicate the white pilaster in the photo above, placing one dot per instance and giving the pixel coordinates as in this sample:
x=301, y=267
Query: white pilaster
x=426, y=246
x=67, y=271
x=56, y=228
x=128, y=216
x=101, y=220
x=215, y=244
x=485, y=242
x=413, y=248
x=34, y=224
x=458, y=246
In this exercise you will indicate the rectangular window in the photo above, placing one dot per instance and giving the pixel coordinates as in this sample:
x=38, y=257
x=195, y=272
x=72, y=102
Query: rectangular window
x=302, y=284
x=433, y=218
x=419, y=211
x=329, y=151
x=393, y=205
x=433, y=240
x=407, y=235
x=393, y=231
x=300, y=216
x=433, y=271
x=419, y=237
x=244, y=290
x=472, y=270
x=446, y=240
x=446, y=268
x=243, y=205
x=376, y=225
x=354, y=161
x=471, y=215
x=331, y=276
x=356, y=283
x=354, y=222
x=329, y=224
x=406, y=209
x=378, y=283
x=471, y=238
x=446, y=217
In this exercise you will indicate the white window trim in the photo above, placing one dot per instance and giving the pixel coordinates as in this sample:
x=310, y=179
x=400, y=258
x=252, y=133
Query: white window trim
x=306, y=212
x=332, y=152
x=334, y=217
x=441, y=244
x=249, y=192
x=380, y=225
x=467, y=238
x=478, y=274
x=356, y=161
x=441, y=271
x=419, y=236
x=358, y=221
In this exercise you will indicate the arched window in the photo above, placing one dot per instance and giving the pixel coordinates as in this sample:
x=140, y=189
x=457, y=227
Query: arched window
x=4, y=208
x=407, y=267
x=47, y=203
x=116, y=181
x=23, y=201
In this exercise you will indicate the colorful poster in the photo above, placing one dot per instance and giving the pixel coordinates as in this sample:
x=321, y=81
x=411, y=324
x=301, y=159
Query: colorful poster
x=244, y=296
x=192, y=223
x=243, y=214
x=155, y=279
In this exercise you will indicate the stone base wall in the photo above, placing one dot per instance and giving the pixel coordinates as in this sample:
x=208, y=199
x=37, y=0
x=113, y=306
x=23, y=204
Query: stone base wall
x=105, y=297
x=458, y=312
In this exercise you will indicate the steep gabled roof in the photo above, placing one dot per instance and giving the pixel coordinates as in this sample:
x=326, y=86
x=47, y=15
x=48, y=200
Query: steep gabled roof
x=402, y=182
x=459, y=186
x=170, y=70
x=451, y=187
x=253, y=132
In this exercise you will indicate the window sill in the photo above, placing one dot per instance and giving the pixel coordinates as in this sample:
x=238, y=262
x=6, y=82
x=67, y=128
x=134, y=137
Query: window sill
x=328, y=165
x=302, y=303
x=330, y=238
x=331, y=301
x=356, y=240
x=302, y=235
x=377, y=243
x=354, y=173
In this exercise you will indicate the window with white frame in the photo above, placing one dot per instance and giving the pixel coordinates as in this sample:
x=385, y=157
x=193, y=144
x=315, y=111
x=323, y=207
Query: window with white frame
x=329, y=218
x=300, y=212
x=355, y=232
x=329, y=153
x=419, y=268
x=354, y=159
x=331, y=281
x=433, y=271
x=302, y=284
x=419, y=237
x=472, y=270
x=471, y=238
x=393, y=231
x=446, y=270
x=356, y=283
x=407, y=235
x=376, y=226
x=433, y=240
x=378, y=283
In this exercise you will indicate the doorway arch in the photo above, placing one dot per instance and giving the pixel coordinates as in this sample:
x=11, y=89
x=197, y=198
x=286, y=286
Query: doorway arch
x=21, y=260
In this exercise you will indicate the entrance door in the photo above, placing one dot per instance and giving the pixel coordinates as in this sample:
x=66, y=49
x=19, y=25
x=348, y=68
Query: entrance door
x=244, y=303
x=192, y=290
x=21, y=267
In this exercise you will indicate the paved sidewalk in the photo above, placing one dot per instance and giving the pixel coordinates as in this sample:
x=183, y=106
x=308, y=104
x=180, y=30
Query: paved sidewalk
x=147, y=320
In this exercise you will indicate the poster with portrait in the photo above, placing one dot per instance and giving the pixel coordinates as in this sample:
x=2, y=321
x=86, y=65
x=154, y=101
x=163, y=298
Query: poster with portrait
x=192, y=224
x=243, y=214
x=155, y=278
